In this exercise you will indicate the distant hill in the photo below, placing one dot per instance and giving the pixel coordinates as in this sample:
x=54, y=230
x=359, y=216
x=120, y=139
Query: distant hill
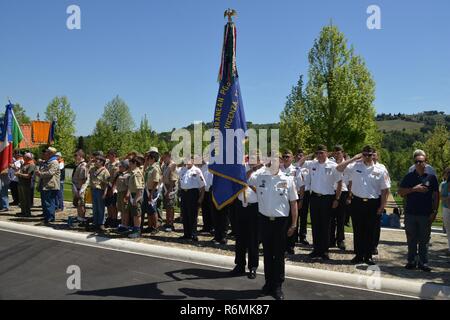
x=412, y=123
x=399, y=125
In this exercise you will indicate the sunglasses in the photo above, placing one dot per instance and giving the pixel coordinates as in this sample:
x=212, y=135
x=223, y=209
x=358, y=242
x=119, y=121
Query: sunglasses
x=367, y=154
x=419, y=161
x=286, y=157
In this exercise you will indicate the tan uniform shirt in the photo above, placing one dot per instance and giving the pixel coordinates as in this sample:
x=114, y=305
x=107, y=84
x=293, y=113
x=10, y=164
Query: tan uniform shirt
x=153, y=175
x=113, y=169
x=98, y=178
x=80, y=175
x=122, y=181
x=136, y=181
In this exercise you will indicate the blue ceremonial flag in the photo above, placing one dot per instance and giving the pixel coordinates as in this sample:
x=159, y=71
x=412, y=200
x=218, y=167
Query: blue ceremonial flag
x=51, y=134
x=228, y=164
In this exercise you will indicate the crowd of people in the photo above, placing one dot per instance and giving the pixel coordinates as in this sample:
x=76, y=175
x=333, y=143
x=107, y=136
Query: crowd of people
x=138, y=193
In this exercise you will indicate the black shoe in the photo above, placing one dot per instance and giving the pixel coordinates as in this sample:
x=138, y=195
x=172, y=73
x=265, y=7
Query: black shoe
x=325, y=257
x=357, y=260
x=195, y=238
x=424, y=267
x=290, y=251
x=266, y=290
x=219, y=242
x=369, y=261
x=278, y=294
x=304, y=242
x=252, y=274
x=237, y=271
x=341, y=246
x=313, y=255
x=375, y=252
x=23, y=215
x=410, y=266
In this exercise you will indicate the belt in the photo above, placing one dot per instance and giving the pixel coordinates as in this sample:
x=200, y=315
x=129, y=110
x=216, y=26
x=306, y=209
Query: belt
x=321, y=195
x=273, y=218
x=364, y=199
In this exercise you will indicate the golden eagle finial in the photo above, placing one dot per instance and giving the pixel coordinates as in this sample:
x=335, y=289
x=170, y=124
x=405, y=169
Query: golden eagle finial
x=230, y=13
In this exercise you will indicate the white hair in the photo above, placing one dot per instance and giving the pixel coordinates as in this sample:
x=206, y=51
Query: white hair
x=419, y=152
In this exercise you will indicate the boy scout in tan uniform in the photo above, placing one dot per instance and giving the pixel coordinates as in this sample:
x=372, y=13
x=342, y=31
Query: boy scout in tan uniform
x=152, y=180
x=80, y=182
x=111, y=197
x=135, y=192
x=121, y=185
x=170, y=182
x=98, y=180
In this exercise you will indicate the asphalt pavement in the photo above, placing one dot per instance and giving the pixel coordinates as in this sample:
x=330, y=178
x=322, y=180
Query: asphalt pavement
x=36, y=268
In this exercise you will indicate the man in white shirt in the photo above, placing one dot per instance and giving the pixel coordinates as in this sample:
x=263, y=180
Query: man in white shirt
x=370, y=187
x=291, y=171
x=338, y=215
x=304, y=198
x=207, y=200
x=376, y=238
x=277, y=197
x=324, y=198
x=247, y=224
x=192, y=186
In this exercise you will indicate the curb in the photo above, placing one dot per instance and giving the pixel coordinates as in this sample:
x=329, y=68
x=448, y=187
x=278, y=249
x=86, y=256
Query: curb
x=371, y=282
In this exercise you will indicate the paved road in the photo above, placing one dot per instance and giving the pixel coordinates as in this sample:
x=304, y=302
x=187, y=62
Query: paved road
x=35, y=268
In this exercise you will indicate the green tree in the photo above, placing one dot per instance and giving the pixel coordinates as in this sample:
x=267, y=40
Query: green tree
x=437, y=148
x=294, y=132
x=339, y=95
x=144, y=137
x=20, y=114
x=59, y=109
x=114, y=130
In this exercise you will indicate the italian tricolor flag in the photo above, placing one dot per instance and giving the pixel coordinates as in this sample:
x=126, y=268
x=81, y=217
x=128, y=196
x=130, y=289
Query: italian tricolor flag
x=10, y=138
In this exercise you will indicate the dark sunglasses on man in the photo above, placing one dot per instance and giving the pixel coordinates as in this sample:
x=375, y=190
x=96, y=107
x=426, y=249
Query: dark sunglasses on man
x=367, y=155
x=419, y=161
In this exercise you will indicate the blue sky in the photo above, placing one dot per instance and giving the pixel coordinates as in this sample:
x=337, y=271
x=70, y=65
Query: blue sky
x=162, y=56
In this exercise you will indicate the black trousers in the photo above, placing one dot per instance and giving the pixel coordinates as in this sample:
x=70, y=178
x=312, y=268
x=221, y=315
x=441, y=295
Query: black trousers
x=189, y=209
x=364, y=216
x=220, y=219
x=377, y=232
x=303, y=216
x=207, y=215
x=14, y=186
x=337, y=221
x=321, y=207
x=232, y=216
x=274, y=243
x=247, y=232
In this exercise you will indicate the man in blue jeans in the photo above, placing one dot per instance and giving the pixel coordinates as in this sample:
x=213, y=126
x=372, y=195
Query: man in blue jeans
x=49, y=175
x=421, y=191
